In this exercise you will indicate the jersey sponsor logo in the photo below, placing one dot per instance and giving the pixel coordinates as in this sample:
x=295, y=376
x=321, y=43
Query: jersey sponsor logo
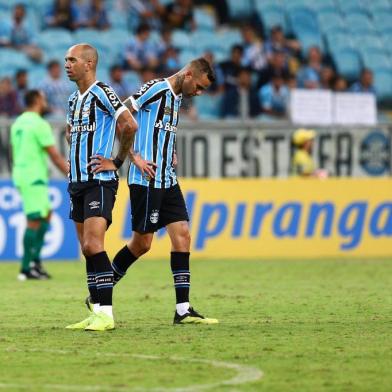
x=94, y=205
x=154, y=217
x=84, y=128
x=146, y=86
x=112, y=96
x=167, y=127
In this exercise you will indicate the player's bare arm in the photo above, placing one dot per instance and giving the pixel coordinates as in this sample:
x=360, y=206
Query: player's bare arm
x=146, y=167
x=68, y=133
x=57, y=159
x=126, y=128
x=128, y=104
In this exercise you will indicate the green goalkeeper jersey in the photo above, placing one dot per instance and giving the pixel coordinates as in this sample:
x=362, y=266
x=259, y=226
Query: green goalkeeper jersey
x=30, y=135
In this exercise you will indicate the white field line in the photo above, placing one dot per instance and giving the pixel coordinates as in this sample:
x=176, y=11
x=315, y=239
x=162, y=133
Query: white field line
x=244, y=374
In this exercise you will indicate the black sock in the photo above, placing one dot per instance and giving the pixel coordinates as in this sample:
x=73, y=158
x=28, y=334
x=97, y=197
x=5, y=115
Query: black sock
x=121, y=262
x=180, y=268
x=91, y=283
x=103, y=277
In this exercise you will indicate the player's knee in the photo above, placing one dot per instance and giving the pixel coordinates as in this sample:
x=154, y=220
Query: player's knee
x=186, y=238
x=140, y=247
x=144, y=246
x=182, y=241
x=91, y=247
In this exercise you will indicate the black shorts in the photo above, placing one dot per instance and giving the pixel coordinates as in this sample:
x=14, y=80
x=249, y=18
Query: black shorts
x=154, y=208
x=92, y=198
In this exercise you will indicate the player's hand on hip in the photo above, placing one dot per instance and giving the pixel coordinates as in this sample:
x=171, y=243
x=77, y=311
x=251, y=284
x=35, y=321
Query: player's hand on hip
x=175, y=161
x=146, y=167
x=99, y=164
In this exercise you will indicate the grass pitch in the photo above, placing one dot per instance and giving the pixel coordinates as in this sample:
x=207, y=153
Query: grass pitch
x=307, y=325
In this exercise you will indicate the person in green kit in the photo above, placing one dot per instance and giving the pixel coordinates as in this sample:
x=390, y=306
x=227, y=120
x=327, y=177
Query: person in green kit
x=32, y=141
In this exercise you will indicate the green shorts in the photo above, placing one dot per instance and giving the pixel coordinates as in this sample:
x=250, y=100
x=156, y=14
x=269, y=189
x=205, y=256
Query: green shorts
x=35, y=199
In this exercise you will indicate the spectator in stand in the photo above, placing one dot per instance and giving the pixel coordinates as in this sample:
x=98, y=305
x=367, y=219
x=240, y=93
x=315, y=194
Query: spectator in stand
x=254, y=56
x=19, y=36
x=145, y=11
x=221, y=9
x=167, y=53
x=327, y=78
x=62, y=14
x=165, y=41
x=231, y=68
x=216, y=87
x=140, y=52
x=365, y=83
x=309, y=76
x=278, y=42
x=276, y=65
x=274, y=97
x=56, y=90
x=21, y=87
x=146, y=75
x=82, y=18
x=178, y=15
x=8, y=99
x=241, y=100
x=170, y=61
x=291, y=82
x=98, y=16
x=340, y=84
x=119, y=85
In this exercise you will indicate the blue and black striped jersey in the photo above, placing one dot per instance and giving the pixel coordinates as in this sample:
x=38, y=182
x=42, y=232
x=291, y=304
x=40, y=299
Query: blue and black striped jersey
x=157, y=106
x=92, y=117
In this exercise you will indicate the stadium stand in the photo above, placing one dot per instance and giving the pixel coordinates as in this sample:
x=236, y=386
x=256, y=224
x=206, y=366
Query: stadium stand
x=351, y=34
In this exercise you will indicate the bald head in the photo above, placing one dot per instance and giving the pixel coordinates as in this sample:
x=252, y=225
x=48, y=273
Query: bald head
x=81, y=63
x=87, y=53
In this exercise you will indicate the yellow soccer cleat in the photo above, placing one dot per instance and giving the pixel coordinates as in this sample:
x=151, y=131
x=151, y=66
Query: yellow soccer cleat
x=192, y=317
x=89, y=304
x=101, y=322
x=82, y=324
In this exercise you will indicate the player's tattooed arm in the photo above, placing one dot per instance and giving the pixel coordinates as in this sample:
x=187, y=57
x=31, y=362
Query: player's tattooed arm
x=125, y=128
x=128, y=104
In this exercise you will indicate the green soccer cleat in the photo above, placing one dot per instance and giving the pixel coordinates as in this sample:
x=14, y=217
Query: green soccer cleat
x=82, y=324
x=192, y=317
x=101, y=322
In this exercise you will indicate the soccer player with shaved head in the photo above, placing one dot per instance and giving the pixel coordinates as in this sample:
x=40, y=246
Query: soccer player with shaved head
x=156, y=198
x=95, y=115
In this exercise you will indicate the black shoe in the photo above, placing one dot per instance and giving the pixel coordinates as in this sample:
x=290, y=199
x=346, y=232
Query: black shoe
x=37, y=267
x=29, y=275
x=192, y=317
